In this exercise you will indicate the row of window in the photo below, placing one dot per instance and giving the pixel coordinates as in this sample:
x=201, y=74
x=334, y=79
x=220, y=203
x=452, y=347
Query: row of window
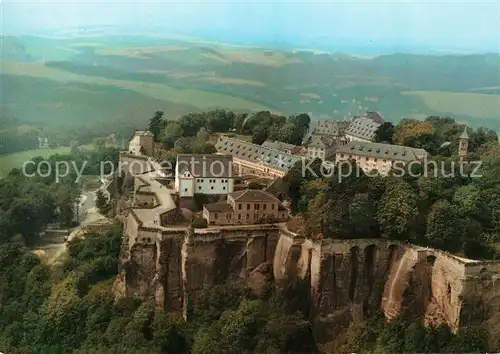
x=255, y=206
x=357, y=157
x=229, y=216
x=211, y=188
x=211, y=180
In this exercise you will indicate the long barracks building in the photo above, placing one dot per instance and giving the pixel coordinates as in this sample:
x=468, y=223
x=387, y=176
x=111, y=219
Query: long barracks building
x=255, y=159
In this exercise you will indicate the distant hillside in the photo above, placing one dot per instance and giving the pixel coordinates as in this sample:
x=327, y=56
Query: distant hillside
x=192, y=75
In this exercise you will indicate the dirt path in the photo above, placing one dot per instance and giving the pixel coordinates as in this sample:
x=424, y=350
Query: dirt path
x=54, y=253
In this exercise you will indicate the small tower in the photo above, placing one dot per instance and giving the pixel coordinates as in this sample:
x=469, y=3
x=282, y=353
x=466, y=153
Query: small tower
x=463, y=143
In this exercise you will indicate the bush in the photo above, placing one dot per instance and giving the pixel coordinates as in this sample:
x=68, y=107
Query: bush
x=200, y=223
x=267, y=220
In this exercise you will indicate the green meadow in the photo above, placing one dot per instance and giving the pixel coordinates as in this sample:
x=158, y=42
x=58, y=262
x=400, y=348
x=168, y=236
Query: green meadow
x=98, y=86
x=17, y=159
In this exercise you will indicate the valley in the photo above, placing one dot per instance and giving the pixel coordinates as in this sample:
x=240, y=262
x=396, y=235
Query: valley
x=85, y=81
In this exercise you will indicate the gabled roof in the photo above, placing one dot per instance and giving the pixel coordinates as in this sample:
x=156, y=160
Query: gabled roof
x=253, y=195
x=141, y=133
x=219, y=207
x=205, y=166
x=382, y=151
x=363, y=127
x=256, y=153
x=278, y=145
x=326, y=127
x=464, y=135
x=376, y=117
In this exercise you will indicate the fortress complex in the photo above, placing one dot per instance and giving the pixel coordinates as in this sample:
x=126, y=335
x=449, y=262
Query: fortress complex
x=166, y=262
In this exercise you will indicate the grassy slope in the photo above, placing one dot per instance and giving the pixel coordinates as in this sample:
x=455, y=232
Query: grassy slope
x=193, y=76
x=471, y=104
x=16, y=160
x=67, y=104
x=199, y=98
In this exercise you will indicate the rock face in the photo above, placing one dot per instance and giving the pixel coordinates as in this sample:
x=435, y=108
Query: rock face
x=170, y=267
x=349, y=279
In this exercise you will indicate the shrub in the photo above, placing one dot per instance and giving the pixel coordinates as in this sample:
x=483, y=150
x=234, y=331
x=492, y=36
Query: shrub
x=200, y=223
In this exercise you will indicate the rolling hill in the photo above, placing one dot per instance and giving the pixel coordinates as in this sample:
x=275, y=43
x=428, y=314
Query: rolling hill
x=125, y=79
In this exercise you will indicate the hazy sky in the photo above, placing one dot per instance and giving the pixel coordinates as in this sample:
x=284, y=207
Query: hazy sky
x=457, y=24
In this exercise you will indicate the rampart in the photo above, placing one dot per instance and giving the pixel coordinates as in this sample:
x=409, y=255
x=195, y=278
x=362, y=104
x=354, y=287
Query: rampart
x=349, y=280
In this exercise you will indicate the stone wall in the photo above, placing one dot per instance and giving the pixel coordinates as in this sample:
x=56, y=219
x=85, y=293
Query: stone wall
x=352, y=279
x=172, y=268
x=349, y=280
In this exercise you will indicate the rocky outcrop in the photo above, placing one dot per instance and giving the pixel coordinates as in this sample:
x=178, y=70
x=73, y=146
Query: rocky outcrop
x=349, y=279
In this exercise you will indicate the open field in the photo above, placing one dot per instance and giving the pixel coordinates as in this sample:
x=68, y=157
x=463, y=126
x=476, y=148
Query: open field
x=16, y=160
x=230, y=80
x=107, y=83
x=460, y=103
x=202, y=99
x=140, y=52
x=258, y=57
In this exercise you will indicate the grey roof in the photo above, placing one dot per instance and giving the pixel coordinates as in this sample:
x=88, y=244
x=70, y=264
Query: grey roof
x=382, y=151
x=375, y=116
x=205, y=166
x=363, y=127
x=318, y=141
x=219, y=207
x=143, y=132
x=256, y=153
x=464, y=135
x=278, y=145
x=253, y=195
x=324, y=127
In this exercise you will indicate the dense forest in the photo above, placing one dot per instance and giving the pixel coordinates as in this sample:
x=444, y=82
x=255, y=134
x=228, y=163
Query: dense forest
x=69, y=307
x=447, y=204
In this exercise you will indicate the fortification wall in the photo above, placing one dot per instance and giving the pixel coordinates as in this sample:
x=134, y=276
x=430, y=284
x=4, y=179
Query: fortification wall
x=349, y=279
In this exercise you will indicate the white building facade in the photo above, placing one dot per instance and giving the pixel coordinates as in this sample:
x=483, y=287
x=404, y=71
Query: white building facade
x=203, y=174
x=378, y=157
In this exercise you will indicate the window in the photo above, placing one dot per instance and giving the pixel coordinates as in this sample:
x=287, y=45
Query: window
x=272, y=206
x=228, y=216
x=212, y=188
x=185, y=189
x=223, y=188
x=248, y=206
x=256, y=206
x=199, y=187
x=248, y=216
x=264, y=206
x=239, y=216
x=239, y=206
x=215, y=215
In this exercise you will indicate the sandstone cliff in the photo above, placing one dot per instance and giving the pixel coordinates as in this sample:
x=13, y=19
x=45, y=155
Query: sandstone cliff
x=349, y=279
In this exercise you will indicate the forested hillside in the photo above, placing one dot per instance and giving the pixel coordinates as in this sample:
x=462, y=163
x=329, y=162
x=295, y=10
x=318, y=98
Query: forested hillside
x=105, y=84
x=444, y=202
x=69, y=307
